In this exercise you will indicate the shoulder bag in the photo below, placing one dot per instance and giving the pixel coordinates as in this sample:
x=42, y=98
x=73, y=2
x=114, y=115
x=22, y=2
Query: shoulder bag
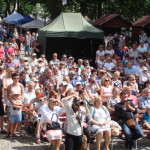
x=130, y=122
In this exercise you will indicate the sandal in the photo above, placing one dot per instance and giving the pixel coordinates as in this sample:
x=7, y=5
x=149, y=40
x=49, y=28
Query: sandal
x=38, y=141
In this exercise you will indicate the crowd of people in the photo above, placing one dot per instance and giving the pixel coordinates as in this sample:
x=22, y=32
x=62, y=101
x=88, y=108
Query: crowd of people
x=33, y=90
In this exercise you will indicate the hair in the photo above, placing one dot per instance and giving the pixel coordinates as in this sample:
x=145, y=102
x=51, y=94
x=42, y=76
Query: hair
x=31, y=83
x=52, y=93
x=114, y=89
x=8, y=72
x=93, y=70
x=38, y=91
x=81, y=92
x=103, y=80
x=123, y=93
x=97, y=98
x=14, y=75
x=116, y=73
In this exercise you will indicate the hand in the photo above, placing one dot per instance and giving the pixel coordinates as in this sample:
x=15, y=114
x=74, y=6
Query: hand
x=49, y=122
x=85, y=125
x=99, y=124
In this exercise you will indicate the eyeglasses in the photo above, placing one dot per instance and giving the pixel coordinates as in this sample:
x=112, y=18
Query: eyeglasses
x=43, y=57
x=102, y=72
x=106, y=80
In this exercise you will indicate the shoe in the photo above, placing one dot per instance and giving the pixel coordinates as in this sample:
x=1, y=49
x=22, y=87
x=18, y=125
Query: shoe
x=7, y=136
x=38, y=141
x=4, y=131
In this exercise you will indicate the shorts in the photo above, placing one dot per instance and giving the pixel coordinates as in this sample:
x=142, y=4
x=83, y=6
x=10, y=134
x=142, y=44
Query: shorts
x=27, y=48
x=15, y=118
x=1, y=109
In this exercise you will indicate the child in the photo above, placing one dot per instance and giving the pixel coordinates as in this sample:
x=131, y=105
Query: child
x=16, y=113
x=146, y=118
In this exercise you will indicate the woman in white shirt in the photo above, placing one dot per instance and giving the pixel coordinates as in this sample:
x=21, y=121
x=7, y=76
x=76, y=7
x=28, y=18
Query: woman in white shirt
x=100, y=120
x=75, y=116
x=110, y=50
x=50, y=113
x=100, y=52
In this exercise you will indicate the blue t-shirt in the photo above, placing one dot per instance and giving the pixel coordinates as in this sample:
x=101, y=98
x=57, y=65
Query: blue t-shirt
x=146, y=117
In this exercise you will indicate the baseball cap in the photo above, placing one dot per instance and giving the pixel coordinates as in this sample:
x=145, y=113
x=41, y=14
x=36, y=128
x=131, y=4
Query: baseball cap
x=34, y=54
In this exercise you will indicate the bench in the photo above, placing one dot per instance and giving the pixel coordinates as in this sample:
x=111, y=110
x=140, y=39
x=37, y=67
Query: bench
x=139, y=119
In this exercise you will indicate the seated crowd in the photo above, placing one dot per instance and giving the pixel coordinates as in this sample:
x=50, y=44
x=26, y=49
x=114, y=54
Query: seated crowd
x=43, y=93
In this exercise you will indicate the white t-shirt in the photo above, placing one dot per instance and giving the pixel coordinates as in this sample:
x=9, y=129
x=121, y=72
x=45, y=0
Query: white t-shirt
x=100, y=53
x=111, y=52
x=28, y=97
x=109, y=66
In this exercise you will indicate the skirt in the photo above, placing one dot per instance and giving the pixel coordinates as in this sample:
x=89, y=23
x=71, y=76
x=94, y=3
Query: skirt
x=96, y=129
x=53, y=135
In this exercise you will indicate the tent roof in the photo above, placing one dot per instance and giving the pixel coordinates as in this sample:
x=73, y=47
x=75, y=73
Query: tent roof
x=34, y=24
x=13, y=18
x=112, y=20
x=143, y=22
x=26, y=19
x=71, y=25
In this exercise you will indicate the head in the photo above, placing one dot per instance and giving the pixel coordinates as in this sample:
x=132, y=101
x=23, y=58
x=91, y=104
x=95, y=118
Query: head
x=64, y=57
x=48, y=72
x=82, y=94
x=98, y=101
x=15, y=77
x=51, y=103
x=147, y=92
x=55, y=56
x=130, y=64
x=70, y=92
x=101, y=73
x=132, y=78
x=80, y=61
x=128, y=90
x=79, y=86
x=123, y=96
x=16, y=96
x=9, y=72
x=101, y=47
x=105, y=81
x=50, y=87
x=31, y=85
x=22, y=75
x=116, y=91
x=43, y=57
x=116, y=75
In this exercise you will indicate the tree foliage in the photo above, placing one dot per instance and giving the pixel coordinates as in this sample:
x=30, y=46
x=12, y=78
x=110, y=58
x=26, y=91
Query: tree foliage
x=130, y=9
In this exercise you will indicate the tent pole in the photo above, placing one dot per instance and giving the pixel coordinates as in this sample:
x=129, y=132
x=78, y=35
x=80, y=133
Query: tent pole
x=91, y=51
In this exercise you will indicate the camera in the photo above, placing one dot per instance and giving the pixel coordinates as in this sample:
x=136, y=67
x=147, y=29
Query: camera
x=128, y=100
x=81, y=103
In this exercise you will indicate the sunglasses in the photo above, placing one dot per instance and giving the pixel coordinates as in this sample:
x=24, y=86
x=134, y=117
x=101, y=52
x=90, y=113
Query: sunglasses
x=106, y=80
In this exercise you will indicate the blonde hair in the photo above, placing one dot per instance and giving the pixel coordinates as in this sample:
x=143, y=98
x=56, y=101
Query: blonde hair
x=116, y=73
x=127, y=88
x=8, y=72
x=103, y=80
x=97, y=98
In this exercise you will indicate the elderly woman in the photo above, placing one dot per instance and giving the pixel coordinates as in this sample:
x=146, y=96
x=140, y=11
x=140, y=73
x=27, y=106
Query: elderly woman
x=112, y=101
x=106, y=88
x=50, y=113
x=100, y=119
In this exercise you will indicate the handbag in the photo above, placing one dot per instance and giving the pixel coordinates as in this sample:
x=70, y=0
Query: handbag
x=54, y=125
x=130, y=122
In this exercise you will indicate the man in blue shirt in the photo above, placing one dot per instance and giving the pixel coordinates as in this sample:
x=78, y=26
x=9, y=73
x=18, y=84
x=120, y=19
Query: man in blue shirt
x=130, y=70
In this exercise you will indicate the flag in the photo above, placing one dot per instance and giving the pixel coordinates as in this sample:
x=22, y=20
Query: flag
x=64, y=2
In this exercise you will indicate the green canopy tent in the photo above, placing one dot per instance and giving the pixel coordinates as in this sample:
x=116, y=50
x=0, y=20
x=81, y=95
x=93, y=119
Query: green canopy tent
x=68, y=31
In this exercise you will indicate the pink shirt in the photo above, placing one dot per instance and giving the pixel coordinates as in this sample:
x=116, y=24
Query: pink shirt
x=10, y=50
x=1, y=52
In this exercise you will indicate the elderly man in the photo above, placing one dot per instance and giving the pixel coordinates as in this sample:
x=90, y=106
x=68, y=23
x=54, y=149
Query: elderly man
x=126, y=111
x=145, y=99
